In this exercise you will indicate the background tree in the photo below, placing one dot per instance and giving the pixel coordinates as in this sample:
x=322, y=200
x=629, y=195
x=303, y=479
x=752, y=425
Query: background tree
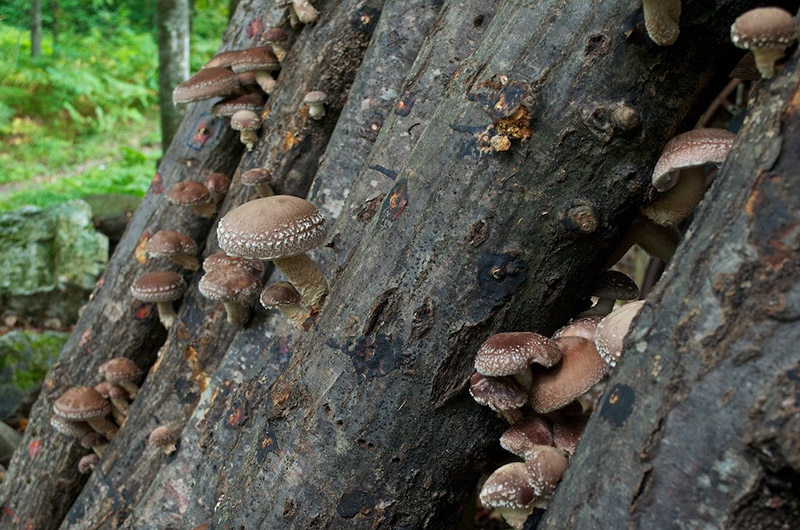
x=173, y=61
x=36, y=28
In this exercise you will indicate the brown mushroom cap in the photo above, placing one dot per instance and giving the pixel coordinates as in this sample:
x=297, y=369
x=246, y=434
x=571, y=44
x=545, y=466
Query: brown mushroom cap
x=159, y=286
x=525, y=434
x=497, y=393
x=245, y=120
x=222, y=59
x=271, y=227
x=280, y=294
x=764, y=26
x=616, y=285
x=580, y=368
x=93, y=439
x=255, y=176
x=274, y=35
x=509, y=353
x=87, y=463
x=188, y=193
x=691, y=149
x=68, y=427
x=119, y=370
x=164, y=436
x=218, y=183
x=108, y=389
x=508, y=487
x=220, y=259
x=315, y=96
x=205, y=84
x=165, y=243
x=546, y=465
x=228, y=106
x=582, y=327
x=567, y=431
x=230, y=284
x=612, y=330
x=81, y=403
x=258, y=58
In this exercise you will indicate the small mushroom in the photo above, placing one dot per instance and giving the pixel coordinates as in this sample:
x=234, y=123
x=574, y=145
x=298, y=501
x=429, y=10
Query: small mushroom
x=235, y=288
x=96, y=442
x=661, y=20
x=164, y=437
x=205, y=84
x=247, y=123
x=679, y=173
x=281, y=228
x=509, y=491
x=513, y=353
x=316, y=104
x=175, y=246
x=301, y=12
x=87, y=463
x=609, y=287
x=546, y=465
x=220, y=259
x=500, y=394
x=261, y=61
x=119, y=400
x=218, y=185
x=275, y=37
x=194, y=195
x=567, y=431
x=161, y=287
x=228, y=106
x=612, y=330
x=767, y=32
x=258, y=178
x=123, y=372
x=524, y=435
x=83, y=403
x=284, y=297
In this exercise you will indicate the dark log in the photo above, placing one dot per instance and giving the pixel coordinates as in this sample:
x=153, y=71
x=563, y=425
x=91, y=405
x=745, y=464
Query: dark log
x=699, y=425
x=394, y=46
x=369, y=424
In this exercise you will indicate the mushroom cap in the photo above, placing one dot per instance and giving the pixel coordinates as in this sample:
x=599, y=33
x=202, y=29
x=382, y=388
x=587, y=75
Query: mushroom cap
x=580, y=368
x=230, y=284
x=165, y=243
x=255, y=176
x=220, y=259
x=218, y=183
x=497, y=393
x=612, y=330
x=93, y=439
x=119, y=370
x=188, y=193
x=110, y=390
x=616, y=285
x=159, y=286
x=525, y=434
x=508, y=487
x=245, y=120
x=252, y=59
x=546, y=465
x=280, y=294
x=315, y=96
x=69, y=427
x=222, y=59
x=510, y=353
x=228, y=106
x=81, y=403
x=567, y=431
x=207, y=83
x=271, y=227
x=582, y=327
x=87, y=463
x=763, y=27
x=162, y=435
x=274, y=35
x=691, y=149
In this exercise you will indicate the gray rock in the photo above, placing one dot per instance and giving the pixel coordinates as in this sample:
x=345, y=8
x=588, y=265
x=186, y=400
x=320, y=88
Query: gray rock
x=50, y=260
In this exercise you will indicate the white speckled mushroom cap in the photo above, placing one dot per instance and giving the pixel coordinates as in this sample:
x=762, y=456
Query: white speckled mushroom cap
x=170, y=242
x=230, y=284
x=510, y=353
x=497, y=393
x=159, y=286
x=545, y=465
x=612, y=329
x=205, y=84
x=245, y=120
x=764, y=26
x=188, y=193
x=280, y=294
x=690, y=149
x=315, y=96
x=615, y=284
x=81, y=403
x=69, y=427
x=508, y=487
x=271, y=227
x=252, y=59
x=525, y=434
x=120, y=369
x=162, y=435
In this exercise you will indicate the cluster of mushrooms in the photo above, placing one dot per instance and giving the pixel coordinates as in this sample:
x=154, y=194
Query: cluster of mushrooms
x=546, y=388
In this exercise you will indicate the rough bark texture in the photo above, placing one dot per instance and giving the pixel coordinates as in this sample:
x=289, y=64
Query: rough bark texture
x=36, y=28
x=173, y=61
x=368, y=426
x=699, y=426
x=402, y=26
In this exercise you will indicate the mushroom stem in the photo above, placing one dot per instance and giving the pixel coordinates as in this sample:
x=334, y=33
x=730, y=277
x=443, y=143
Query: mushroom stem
x=167, y=316
x=515, y=517
x=264, y=190
x=238, y=314
x=512, y=416
x=294, y=22
x=187, y=261
x=305, y=276
x=766, y=57
x=279, y=50
x=119, y=410
x=265, y=81
x=524, y=378
x=296, y=315
x=304, y=11
x=677, y=203
x=248, y=138
x=316, y=111
x=206, y=209
x=130, y=387
x=103, y=426
x=657, y=240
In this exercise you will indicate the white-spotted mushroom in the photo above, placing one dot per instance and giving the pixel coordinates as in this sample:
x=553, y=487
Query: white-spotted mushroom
x=161, y=287
x=284, y=297
x=247, y=123
x=83, y=403
x=194, y=195
x=205, y=84
x=509, y=491
x=612, y=330
x=236, y=288
x=174, y=246
x=512, y=353
x=767, y=32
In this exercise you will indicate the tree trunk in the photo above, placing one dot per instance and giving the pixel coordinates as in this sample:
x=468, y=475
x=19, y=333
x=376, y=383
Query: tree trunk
x=55, y=10
x=369, y=424
x=699, y=425
x=36, y=28
x=173, y=62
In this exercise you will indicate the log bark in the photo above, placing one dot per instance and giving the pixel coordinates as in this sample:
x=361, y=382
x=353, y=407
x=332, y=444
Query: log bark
x=699, y=425
x=369, y=424
x=173, y=62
